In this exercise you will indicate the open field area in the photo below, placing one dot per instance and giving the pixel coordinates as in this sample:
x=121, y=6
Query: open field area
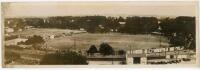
x=84, y=40
x=116, y=40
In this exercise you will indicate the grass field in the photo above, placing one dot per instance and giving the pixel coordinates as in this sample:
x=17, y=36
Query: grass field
x=27, y=56
x=116, y=40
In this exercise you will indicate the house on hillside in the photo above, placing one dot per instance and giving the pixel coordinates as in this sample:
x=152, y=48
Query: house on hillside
x=122, y=23
x=82, y=29
x=28, y=27
x=51, y=36
x=113, y=30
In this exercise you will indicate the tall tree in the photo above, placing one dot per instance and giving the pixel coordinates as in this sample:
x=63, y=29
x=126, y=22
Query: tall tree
x=106, y=49
x=34, y=40
x=92, y=50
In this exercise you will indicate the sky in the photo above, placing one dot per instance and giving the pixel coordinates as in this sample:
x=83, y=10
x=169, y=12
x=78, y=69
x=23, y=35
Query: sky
x=137, y=8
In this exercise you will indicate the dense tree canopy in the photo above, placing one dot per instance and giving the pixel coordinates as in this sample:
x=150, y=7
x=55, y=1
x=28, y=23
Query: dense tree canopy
x=140, y=25
x=180, y=31
x=92, y=24
x=34, y=40
x=15, y=23
x=106, y=49
x=92, y=50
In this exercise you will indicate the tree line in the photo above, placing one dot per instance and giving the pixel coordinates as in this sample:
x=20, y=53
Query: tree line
x=91, y=24
x=104, y=49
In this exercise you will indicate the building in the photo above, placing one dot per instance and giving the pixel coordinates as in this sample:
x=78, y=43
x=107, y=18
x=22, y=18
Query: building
x=28, y=27
x=98, y=59
x=82, y=29
x=122, y=23
x=51, y=36
x=167, y=55
x=158, y=55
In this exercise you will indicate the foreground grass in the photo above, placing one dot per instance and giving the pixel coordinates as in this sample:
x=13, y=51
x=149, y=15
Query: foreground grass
x=24, y=56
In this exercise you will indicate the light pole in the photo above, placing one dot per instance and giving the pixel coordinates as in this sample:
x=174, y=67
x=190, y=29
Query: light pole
x=159, y=28
x=74, y=44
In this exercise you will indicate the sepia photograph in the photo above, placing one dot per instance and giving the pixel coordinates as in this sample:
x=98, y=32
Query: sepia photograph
x=99, y=33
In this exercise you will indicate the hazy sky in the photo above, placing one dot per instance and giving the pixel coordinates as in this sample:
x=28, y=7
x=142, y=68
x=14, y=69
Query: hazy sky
x=44, y=9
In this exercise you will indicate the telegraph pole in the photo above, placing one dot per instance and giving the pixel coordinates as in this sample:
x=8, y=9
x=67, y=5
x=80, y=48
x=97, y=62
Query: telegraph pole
x=74, y=44
x=112, y=59
x=160, y=36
